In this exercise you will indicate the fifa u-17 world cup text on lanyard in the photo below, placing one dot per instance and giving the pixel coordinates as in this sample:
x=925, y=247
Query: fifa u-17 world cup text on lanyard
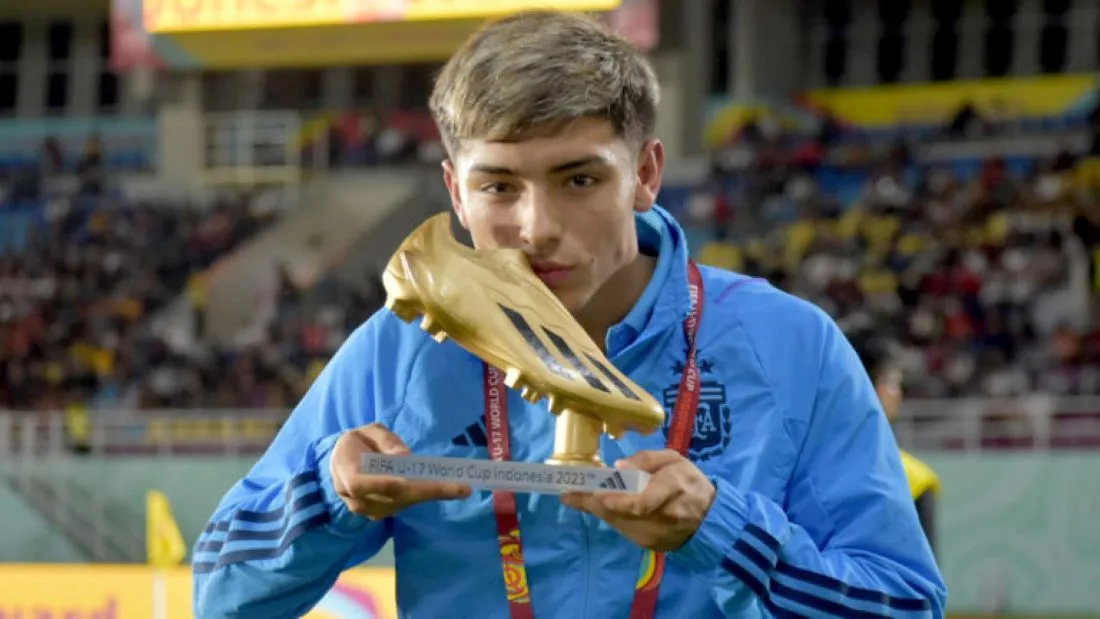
x=504, y=503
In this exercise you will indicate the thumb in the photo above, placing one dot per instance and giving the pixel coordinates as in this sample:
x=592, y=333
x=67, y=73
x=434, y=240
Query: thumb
x=381, y=440
x=625, y=465
x=650, y=461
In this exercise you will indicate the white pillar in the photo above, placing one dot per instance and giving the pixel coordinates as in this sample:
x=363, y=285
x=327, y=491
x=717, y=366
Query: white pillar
x=337, y=90
x=744, y=44
x=84, y=69
x=1027, y=44
x=696, y=71
x=1083, y=24
x=917, y=65
x=971, y=49
x=180, y=134
x=863, y=37
x=33, y=70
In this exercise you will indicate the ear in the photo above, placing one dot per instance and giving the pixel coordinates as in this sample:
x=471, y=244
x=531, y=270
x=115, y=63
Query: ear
x=651, y=169
x=450, y=178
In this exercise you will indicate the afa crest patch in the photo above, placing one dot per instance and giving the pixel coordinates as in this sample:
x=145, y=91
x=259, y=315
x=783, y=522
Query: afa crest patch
x=713, y=422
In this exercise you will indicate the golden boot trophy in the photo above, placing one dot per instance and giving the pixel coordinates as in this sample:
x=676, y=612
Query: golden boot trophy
x=492, y=304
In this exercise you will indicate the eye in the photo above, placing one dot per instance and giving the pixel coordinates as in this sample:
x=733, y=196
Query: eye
x=496, y=188
x=582, y=180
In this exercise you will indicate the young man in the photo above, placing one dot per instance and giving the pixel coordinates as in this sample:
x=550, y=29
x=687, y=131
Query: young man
x=924, y=484
x=791, y=500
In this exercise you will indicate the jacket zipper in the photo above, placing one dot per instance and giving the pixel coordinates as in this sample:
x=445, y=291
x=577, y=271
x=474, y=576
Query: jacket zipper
x=586, y=565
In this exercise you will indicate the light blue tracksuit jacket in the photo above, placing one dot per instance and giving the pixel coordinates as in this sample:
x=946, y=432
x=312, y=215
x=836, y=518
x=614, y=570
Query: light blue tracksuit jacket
x=812, y=515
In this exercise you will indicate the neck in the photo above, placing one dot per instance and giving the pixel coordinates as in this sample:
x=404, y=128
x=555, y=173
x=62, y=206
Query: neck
x=610, y=305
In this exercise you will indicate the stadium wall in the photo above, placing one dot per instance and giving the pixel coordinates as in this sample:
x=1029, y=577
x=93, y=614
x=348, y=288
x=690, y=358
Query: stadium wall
x=1016, y=535
x=1018, y=532
x=28, y=536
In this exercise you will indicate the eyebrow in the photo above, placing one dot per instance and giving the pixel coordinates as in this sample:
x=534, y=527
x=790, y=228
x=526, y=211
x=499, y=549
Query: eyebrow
x=557, y=169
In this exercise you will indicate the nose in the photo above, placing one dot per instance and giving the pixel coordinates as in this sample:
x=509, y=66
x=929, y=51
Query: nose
x=540, y=222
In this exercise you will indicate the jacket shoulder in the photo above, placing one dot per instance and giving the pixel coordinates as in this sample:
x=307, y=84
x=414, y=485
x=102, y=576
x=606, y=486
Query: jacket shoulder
x=758, y=306
x=789, y=344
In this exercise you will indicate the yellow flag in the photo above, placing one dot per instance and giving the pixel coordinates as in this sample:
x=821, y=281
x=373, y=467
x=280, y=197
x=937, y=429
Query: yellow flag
x=1096, y=273
x=921, y=477
x=164, y=545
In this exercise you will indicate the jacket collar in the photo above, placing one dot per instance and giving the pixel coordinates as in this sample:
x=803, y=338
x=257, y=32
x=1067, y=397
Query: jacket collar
x=666, y=300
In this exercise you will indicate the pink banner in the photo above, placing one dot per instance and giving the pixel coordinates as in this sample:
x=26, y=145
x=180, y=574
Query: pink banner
x=639, y=22
x=131, y=45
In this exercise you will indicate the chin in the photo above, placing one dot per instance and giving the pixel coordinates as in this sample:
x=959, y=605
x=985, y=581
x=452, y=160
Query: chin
x=577, y=302
x=570, y=299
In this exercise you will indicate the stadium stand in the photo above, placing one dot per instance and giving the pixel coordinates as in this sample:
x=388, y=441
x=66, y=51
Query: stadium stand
x=981, y=270
x=970, y=265
x=368, y=138
x=76, y=288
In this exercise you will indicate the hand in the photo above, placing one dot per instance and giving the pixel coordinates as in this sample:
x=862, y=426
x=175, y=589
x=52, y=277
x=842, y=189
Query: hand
x=379, y=496
x=665, y=515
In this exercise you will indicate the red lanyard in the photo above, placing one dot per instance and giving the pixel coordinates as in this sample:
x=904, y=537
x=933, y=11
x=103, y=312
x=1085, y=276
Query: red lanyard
x=504, y=503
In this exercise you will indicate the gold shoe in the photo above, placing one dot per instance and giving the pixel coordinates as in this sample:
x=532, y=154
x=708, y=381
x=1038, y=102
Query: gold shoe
x=492, y=304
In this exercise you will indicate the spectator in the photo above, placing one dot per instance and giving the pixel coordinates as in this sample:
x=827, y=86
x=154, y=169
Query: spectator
x=73, y=301
x=966, y=122
x=973, y=277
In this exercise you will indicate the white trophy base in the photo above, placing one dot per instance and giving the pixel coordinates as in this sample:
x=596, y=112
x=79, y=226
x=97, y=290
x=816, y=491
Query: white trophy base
x=527, y=477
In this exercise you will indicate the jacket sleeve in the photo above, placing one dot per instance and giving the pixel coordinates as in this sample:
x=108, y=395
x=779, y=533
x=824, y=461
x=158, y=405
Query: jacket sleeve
x=847, y=541
x=281, y=537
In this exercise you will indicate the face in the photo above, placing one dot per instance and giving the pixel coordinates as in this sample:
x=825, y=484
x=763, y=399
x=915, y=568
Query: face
x=566, y=200
x=889, y=391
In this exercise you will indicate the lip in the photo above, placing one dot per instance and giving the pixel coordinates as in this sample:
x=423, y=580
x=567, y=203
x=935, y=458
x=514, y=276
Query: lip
x=551, y=273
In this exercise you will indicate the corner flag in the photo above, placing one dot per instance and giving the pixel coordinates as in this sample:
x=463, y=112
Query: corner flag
x=164, y=545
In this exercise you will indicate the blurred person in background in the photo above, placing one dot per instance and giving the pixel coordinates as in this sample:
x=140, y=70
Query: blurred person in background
x=885, y=373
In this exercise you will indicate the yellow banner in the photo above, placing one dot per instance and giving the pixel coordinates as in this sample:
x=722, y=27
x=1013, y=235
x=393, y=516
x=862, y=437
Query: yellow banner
x=912, y=104
x=175, y=16
x=934, y=103
x=361, y=44
x=162, y=16
x=419, y=10
x=126, y=592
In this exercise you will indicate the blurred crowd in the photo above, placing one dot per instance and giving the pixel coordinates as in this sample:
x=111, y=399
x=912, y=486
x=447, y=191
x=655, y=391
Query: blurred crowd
x=361, y=138
x=267, y=367
x=76, y=292
x=85, y=274
x=980, y=275
x=29, y=179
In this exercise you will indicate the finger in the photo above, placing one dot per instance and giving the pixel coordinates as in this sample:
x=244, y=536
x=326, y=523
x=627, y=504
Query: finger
x=373, y=487
x=388, y=493
x=581, y=501
x=347, y=456
x=345, y=462
x=380, y=440
x=659, y=492
x=651, y=461
x=371, y=509
x=592, y=504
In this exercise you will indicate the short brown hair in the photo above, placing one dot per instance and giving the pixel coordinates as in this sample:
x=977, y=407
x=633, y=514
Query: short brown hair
x=538, y=71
